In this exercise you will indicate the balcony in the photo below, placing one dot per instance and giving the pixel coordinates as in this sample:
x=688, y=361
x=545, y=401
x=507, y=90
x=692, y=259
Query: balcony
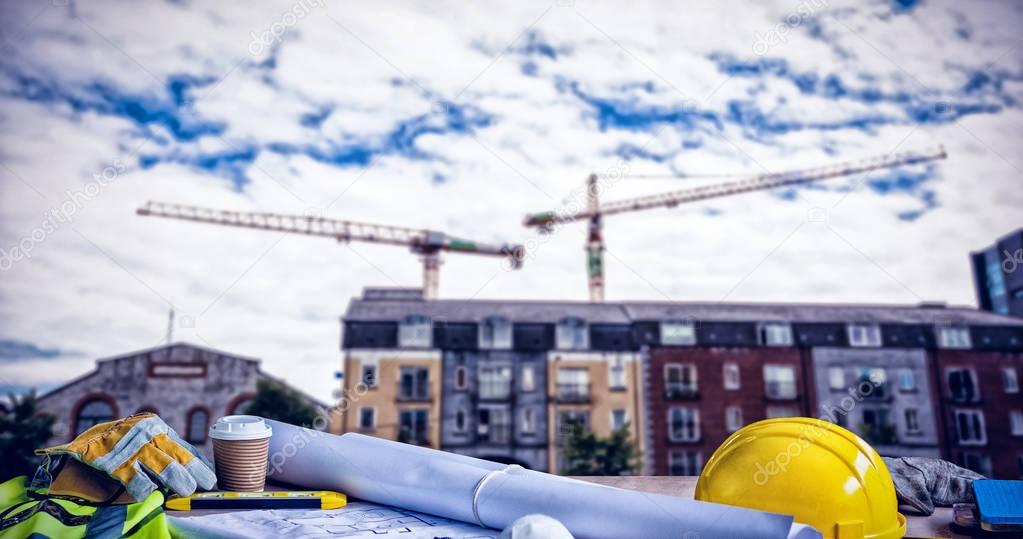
x=417, y=395
x=495, y=391
x=573, y=393
x=780, y=391
x=499, y=434
x=879, y=434
x=681, y=393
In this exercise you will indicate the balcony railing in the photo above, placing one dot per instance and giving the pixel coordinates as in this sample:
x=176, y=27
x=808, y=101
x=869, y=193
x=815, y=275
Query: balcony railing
x=421, y=395
x=885, y=434
x=498, y=391
x=573, y=393
x=780, y=390
x=494, y=434
x=681, y=393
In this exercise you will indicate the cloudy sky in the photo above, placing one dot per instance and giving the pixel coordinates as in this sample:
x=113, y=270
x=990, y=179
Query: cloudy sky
x=463, y=118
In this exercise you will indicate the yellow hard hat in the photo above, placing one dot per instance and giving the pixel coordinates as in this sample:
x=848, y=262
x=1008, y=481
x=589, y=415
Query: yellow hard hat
x=816, y=471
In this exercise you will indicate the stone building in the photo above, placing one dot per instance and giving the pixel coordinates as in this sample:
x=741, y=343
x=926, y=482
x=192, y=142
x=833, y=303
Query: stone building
x=188, y=386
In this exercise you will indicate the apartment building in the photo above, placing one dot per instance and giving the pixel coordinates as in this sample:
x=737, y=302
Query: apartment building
x=506, y=380
x=998, y=275
x=595, y=381
x=981, y=404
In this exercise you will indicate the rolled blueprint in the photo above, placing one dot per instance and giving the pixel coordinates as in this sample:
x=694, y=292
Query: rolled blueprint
x=495, y=495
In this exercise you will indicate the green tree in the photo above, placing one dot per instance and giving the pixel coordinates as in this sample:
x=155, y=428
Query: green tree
x=22, y=430
x=588, y=454
x=275, y=401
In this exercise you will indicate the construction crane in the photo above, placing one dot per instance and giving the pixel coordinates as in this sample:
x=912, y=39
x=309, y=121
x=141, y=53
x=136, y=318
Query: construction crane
x=426, y=243
x=595, y=210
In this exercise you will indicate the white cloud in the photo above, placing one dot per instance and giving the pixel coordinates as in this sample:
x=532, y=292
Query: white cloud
x=100, y=285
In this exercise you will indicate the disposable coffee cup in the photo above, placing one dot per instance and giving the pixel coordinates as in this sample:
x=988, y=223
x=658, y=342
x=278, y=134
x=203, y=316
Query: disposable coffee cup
x=240, y=447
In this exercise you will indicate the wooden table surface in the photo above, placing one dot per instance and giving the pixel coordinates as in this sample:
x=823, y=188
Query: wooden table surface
x=936, y=525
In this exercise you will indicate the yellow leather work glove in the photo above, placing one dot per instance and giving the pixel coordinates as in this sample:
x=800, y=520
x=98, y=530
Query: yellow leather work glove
x=128, y=449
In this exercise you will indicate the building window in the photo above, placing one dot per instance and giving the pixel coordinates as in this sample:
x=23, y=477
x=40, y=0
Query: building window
x=873, y=382
x=680, y=381
x=528, y=421
x=415, y=384
x=776, y=334
x=1009, y=380
x=836, y=378
x=730, y=373
x=572, y=334
x=912, y=420
x=976, y=462
x=412, y=426
x=954, y=338
x=495, y=334
x=494, y=382
x=779, y=381
x=684, y=462
x=92, y=413
x=678, y=334
x=684, y=424
x=619, y=417
x=616, y=372
x=528, y=378
x=1016, y=422
x=733, y=418
x=369, y=375
x=460, y=421
x=241, y=406
x=461, y=377
x=907, y=380
x=198, y=422
x=970, y=427
x=573, y=384
x=493, y=426
x=415, y=331
x=774, y=412
x=962, y=385
x=864, y=335
x=367, y=418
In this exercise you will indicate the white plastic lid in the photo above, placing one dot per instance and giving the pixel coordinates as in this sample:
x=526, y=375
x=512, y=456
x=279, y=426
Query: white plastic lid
x=240, y=427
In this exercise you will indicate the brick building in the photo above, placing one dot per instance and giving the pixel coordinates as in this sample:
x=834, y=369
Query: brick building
x=188, y=386
x=927, y=380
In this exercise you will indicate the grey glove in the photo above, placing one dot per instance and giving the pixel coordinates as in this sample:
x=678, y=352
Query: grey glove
x=923, y=483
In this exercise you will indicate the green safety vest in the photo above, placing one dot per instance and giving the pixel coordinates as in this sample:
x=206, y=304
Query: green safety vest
x=31, y=513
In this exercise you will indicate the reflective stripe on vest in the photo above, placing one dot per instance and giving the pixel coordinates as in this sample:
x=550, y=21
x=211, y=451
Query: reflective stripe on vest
x=29, y=513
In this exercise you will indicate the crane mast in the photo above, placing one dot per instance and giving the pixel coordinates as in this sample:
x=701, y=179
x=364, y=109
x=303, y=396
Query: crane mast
x=424, y=242
x=595, y=211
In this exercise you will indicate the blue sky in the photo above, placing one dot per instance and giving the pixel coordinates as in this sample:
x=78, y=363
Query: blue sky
x=463, y=118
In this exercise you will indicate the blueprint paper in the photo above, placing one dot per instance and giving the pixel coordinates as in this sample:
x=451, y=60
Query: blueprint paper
x=357, y=520
x=440, y=483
